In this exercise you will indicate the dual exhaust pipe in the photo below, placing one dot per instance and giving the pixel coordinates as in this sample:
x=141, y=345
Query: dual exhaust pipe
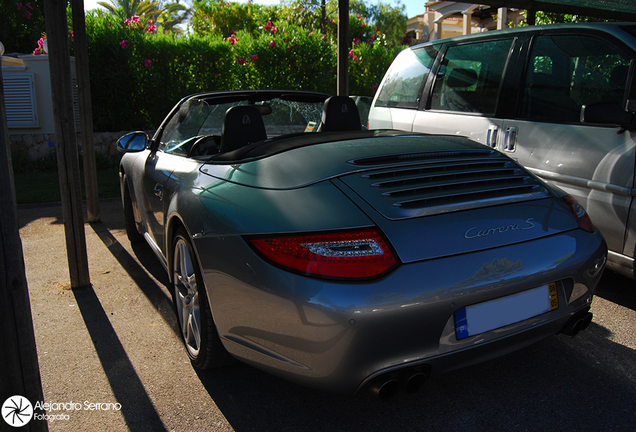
x=577, y=323
x=408, y=380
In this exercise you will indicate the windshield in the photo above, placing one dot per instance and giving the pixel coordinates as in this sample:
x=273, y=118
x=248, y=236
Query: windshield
x=199, y=118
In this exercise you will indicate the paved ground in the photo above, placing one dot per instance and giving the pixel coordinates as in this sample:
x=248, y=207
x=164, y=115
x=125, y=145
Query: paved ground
x=117, y=343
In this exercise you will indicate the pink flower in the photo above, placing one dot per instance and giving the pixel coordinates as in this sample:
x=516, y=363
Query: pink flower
x=135, y=19
x=310, y=33
x=124, y=44
x=253, y=57
x=19, y=6
x=374, y=87
x=272, y=44
x=28, y=5
x=27, y=15
x=232, y=39
x=268, y=26
x=151, y=27
x=274, y=30
x=147, y=63
x=240, y=60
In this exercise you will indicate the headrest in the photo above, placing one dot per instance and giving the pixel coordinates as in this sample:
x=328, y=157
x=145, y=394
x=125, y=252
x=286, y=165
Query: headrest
x=618, y=78
x=541, y=79
x=242, y=125
x=461, y=78
x=340, y=113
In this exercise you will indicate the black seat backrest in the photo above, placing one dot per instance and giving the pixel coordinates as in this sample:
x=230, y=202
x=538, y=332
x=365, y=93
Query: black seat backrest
x=340, y=113
x=242, y=125
x=461, y=78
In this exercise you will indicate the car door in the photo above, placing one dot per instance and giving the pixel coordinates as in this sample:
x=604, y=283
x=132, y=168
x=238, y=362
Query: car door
x=157, y=177
x=170, y=147
x=593, y=163
x=463, y=99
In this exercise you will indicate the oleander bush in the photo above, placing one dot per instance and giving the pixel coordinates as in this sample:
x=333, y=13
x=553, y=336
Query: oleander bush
x=139, y=69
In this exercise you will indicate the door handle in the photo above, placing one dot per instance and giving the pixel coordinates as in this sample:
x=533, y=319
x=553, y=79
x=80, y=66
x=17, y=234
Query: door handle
x=510, y=142
x=491, y=137
x=159, y=191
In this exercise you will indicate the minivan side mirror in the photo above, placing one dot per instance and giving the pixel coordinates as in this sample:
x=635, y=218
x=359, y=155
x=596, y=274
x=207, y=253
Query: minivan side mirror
x=609, y=113
x=133, y=142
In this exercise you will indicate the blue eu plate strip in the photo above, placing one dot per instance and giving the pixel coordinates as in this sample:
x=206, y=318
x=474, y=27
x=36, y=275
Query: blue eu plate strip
x=490, y=315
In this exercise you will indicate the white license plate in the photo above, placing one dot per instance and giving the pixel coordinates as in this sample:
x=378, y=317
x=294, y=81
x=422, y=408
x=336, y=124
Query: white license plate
x=490, y=315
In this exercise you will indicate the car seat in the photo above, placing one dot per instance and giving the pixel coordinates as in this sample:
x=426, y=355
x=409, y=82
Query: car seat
x=242, y=125
x=339, y=114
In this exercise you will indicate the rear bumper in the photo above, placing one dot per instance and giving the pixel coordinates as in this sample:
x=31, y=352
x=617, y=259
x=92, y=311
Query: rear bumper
x=340, y=336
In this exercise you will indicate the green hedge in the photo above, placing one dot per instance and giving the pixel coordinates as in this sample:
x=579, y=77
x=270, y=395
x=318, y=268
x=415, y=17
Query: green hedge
x=137, y=76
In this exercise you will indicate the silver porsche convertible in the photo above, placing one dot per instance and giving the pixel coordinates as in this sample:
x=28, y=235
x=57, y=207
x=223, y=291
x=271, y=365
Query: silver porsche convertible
x=347, y=259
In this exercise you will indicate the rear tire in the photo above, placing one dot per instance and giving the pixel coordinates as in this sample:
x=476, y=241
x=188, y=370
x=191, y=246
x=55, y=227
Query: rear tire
x=198, y=332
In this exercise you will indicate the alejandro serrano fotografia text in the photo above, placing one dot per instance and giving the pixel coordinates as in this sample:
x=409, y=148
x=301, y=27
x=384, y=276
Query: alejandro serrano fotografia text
x=78, y=406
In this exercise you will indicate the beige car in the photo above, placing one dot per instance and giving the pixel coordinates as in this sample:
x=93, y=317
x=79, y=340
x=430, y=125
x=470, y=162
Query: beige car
x=558, y=99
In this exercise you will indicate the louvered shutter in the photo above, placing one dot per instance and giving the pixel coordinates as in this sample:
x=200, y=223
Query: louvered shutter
x=19, y=98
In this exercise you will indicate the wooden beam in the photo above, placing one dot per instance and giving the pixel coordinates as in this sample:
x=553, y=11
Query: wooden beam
x=18, y=353
x=343, y=49
x=66, y=141
x=547, y=6
x=85, y=110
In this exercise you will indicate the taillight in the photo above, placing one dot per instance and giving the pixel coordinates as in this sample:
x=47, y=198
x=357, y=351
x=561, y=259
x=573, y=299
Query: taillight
x=579, y=214
x=354, y=254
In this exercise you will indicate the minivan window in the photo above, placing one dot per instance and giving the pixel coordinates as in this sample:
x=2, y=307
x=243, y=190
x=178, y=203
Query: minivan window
x=404, y=79
x=565, y=72
x=470, y=77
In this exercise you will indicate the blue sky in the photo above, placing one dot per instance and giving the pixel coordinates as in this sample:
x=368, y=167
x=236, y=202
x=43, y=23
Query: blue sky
x=413, y=7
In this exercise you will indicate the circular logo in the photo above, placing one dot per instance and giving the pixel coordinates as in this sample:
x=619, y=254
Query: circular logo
x=17, y=411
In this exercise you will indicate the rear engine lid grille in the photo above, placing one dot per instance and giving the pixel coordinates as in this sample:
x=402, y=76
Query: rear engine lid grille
x=446, y=184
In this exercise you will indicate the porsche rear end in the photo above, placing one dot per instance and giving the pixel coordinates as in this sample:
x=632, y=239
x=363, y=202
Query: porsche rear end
x=441, y=258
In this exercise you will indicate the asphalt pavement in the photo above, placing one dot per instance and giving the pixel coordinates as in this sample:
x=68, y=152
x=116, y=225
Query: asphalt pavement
x=111, y=360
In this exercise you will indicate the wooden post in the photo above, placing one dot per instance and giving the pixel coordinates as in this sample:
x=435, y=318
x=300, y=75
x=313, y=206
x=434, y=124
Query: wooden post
x=66, y=141
x=19, y=368
x=343, y=52
x=86, y=110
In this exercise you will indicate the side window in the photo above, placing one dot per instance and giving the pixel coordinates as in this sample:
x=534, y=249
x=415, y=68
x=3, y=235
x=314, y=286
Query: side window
x=403, y=81
x=565, y=72
x=470, y=77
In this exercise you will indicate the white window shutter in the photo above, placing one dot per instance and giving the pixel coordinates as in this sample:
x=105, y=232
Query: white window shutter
x=19, y=98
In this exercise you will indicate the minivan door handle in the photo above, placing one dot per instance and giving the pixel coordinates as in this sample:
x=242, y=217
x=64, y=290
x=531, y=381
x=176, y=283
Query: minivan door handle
x=510, y=141
x=491, y=137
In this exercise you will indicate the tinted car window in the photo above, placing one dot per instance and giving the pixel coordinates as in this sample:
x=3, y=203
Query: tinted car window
x=403, y=81
x=565, y=72
x=470, y=77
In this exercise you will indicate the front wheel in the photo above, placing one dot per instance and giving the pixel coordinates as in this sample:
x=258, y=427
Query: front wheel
x=198, y=331
x=134, y=236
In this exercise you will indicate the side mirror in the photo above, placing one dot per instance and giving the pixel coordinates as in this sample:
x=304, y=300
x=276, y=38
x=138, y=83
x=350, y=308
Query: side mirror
x=133, y=142
x=609, y=113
